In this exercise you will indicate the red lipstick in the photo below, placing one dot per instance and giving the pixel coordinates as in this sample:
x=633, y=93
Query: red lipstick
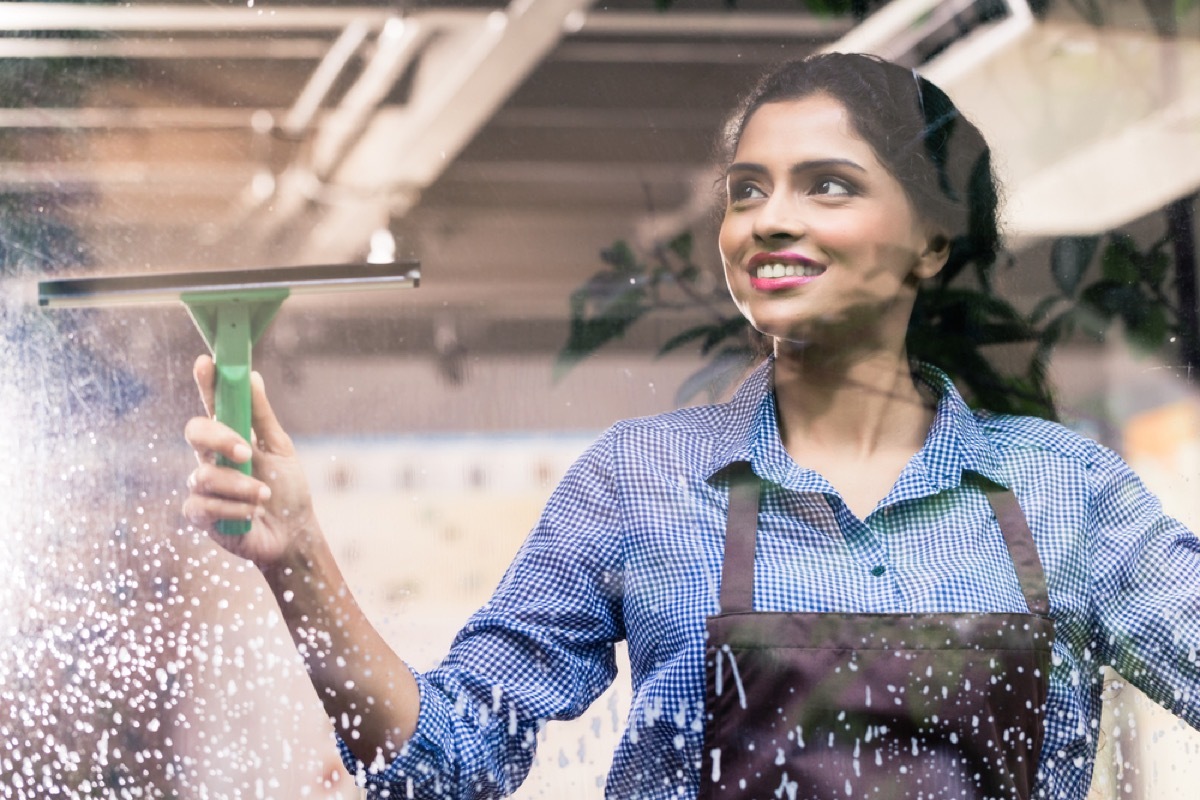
x=771, y=272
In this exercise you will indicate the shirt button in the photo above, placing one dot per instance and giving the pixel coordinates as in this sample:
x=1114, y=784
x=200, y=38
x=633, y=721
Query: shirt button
x=877, y=571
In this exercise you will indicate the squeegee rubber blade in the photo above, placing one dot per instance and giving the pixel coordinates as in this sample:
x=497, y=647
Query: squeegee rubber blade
x=168, y=287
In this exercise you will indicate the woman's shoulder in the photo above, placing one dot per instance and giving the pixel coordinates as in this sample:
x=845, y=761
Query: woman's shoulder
x=727, y=423
x=700, y=421
x=1037, y=436
x=692, y=440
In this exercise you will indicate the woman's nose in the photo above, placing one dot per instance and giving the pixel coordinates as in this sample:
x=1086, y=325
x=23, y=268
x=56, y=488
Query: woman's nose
x=780, y=218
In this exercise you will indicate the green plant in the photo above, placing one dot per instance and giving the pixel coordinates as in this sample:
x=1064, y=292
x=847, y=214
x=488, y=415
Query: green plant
x=1149, y=292
x=665, y=280
x=1130, y=289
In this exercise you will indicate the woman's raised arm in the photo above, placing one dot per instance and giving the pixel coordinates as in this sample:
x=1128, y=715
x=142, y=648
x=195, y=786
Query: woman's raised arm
x=368, y=692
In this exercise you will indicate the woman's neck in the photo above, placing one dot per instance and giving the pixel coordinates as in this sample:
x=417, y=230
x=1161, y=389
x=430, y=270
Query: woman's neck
x=854, y=404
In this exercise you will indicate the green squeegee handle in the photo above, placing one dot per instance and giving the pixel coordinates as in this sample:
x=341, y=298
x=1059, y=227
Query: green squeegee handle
x=231, y=322
x=232, y=383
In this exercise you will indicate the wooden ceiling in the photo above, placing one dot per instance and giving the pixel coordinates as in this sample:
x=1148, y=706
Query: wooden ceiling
x=166, y=135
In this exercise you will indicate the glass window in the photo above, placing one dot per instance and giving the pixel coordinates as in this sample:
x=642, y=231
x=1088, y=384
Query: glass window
x=554, y=167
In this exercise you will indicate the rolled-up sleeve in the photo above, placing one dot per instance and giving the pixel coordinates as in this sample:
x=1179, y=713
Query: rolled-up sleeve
x=542, y=648
x=1146, y=589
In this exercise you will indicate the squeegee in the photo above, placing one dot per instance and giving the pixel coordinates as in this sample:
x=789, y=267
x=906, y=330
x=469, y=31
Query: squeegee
x=231, y=309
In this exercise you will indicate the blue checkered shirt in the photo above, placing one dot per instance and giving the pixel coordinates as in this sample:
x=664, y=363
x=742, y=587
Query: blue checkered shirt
x=630, y=547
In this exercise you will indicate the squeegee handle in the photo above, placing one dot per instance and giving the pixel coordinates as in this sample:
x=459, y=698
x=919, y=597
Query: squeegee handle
x=231, y=322
x=232, y=391
x=231, y=352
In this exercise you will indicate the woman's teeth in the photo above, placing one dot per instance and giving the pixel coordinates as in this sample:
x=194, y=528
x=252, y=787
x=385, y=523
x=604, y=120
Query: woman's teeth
x=787, y=271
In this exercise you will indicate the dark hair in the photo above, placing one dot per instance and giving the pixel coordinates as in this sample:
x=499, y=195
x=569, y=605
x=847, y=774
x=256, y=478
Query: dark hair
x=939, y=157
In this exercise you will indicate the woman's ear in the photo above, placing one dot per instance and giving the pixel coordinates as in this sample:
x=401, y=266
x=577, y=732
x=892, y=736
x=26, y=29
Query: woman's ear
x=934, y=257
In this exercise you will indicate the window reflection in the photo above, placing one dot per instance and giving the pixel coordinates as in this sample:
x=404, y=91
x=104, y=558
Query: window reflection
x=158, y=137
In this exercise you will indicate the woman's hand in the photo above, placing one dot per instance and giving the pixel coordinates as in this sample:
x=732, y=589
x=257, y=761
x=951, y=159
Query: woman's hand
x=275, y=497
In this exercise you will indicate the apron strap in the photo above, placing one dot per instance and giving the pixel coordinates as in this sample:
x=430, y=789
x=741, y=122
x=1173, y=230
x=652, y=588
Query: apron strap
x=1021, y=547
x=741, y=531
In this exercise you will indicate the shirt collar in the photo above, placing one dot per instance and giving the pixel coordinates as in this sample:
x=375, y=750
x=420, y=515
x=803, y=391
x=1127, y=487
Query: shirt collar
x=957, y=441
x=738, y=430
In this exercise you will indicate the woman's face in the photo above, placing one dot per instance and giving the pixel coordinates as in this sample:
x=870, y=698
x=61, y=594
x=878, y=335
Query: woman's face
x=819, y=241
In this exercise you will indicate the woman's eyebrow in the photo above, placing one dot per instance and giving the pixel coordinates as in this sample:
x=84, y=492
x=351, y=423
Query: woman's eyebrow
x=803, y=166
x=826, y=163
x=744, y=166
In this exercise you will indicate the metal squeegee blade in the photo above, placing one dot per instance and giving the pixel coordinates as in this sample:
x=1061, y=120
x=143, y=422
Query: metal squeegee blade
x=169, y=287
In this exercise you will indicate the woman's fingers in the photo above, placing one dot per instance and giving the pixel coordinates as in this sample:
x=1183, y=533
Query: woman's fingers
x=218, y=493
x=204, y=511
x=211, y=480
x=210, y=438
x=269, y=432
x=204, y=372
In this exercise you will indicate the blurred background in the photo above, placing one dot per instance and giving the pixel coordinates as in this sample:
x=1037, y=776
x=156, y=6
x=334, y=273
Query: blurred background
x=551, y=164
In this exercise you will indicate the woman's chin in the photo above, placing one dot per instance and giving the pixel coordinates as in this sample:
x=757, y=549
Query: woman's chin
x=791, y=332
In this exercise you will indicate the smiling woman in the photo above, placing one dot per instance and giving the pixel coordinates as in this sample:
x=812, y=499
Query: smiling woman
x=809, y=198
x=843, y=581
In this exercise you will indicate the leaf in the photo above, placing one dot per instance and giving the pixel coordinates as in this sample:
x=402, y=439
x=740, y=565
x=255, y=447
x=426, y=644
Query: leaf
x=681, y=245
x=1146, y=326
x=590, y=332
x=1119, y=262
x=1155, y=266
x=734, y=326
x=712, y=334
x=983, y=385
x=1069, y=259
x=970, y=303
x=1058, y=329
x=606, y=291
x=621, y=258
x=1108, y=297
x=586, y=337
x=971, y=316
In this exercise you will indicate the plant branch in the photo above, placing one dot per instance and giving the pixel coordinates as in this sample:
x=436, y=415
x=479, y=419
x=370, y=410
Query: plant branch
x=660, y=255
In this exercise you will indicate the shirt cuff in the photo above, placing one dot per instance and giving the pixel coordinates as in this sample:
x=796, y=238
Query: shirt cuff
x=422, y=768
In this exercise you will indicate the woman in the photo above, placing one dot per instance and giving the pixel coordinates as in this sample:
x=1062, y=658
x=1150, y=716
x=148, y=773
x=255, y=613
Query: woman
x=834, y=584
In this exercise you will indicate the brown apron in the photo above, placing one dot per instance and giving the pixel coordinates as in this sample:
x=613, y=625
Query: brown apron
x=815, y=706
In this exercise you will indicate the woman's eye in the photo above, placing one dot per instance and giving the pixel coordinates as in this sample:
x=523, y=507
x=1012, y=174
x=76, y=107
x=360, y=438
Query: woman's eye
x=832, y=186
x=743, y=190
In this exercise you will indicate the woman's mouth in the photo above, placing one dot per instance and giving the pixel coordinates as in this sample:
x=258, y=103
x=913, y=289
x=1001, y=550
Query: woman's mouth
x=782, y=270
x=771, y=272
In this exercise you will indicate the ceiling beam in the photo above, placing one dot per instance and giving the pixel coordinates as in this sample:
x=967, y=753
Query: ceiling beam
x=161, y=48
x=18, y=17
x=150, y=18
x=171, y=118
x=461, y=79
x=723, y=25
